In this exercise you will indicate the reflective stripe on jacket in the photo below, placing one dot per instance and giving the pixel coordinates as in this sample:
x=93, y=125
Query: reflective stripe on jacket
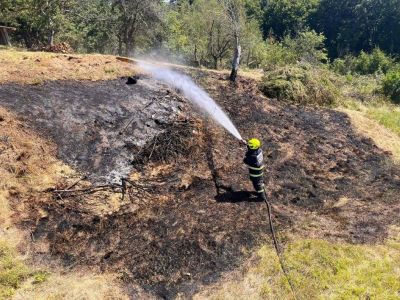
x=256, y=172
x=255, y=161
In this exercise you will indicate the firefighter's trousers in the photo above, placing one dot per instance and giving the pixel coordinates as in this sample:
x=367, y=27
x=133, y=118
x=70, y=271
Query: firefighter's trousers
x=258, y=184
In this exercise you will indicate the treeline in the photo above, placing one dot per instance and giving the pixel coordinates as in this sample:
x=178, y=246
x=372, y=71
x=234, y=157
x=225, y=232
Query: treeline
x=211, y=33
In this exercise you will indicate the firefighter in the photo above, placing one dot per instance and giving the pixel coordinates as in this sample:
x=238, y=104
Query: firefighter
x=255, y=161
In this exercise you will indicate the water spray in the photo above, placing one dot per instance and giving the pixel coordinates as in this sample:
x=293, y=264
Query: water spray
x=194, y=94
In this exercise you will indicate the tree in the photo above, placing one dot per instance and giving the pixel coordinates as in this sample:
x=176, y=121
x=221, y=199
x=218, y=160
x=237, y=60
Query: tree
x=37, y=21
x=234, y=10
x=253, y=44
x=283, y=17
x=201, y=31
x=354, y=25
x=94, y=27
x=307, y=46
x=136, y=18
x=51, y=17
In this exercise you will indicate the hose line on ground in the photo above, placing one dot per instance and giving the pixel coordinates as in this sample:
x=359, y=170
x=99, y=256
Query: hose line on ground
x=278, y=251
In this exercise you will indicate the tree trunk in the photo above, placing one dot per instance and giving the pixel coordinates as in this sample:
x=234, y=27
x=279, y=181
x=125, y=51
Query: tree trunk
x=130, y=47
x=119, y=45
x=51, y=38
x=51, y=31
x=196, y=58
x=248, y=58
x=236, y=59
x=27, y=39
x=215, y=63
x=130, y=42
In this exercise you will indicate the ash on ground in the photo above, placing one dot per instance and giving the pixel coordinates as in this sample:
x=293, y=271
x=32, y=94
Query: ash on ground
x=98, y=127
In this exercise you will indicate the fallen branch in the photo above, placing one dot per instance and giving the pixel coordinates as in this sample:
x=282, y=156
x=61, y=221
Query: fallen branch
x=73, y=185
x=133, y=118
x=98, y=187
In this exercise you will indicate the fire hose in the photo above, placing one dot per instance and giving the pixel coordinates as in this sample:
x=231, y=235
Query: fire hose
x=278, y=250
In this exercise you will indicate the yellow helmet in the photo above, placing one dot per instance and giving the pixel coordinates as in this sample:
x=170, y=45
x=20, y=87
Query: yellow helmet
x=254, y=144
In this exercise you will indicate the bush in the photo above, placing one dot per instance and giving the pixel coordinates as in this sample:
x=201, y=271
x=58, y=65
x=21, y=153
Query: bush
x=306, y=46
x=391, y=85
x=272, y=54
x=300, y=84
x=364, y=64
x=344, y=66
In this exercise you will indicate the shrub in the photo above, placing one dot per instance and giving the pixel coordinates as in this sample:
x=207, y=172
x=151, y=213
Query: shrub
x=306, y=46
x=344, y=66
x=372, y=63
x=391, y=85
x=364, y=64
x=272, y=54
x=300, y=84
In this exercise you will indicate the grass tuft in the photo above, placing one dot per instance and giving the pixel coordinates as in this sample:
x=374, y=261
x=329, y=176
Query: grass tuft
x=12, y=271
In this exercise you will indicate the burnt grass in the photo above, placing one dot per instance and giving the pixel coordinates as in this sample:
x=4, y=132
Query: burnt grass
x=175, y=239
x=97, y=126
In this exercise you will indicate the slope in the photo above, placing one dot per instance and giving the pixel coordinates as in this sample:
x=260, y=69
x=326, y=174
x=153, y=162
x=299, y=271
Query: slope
x=185, y=217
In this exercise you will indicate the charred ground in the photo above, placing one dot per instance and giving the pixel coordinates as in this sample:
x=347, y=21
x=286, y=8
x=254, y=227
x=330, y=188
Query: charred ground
x=173, y=232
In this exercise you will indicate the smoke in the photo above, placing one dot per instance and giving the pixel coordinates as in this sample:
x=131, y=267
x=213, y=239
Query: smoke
x=193, y=93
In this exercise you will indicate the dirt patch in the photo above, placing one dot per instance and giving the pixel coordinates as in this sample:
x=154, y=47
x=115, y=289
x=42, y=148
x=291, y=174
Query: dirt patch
x=180, y=234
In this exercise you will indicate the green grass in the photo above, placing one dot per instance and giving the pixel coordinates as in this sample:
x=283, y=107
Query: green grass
x=319, y=269
x=388, y=116
x=324, y=270
x=12, y=271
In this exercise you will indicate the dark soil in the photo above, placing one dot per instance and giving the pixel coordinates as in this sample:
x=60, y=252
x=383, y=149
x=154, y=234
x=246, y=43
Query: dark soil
x=182, y=234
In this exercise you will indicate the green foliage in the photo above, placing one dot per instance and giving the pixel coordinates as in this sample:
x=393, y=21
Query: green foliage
x=283, y=17
x=254, y=10
x=177, y=39
x=351, y=26
x=197, y=31
x=94, y=27
x=391, y=85
x=364, y=64
x=12, y=271
x=343, y=66
x=307, y=46
x=377, y=61
x=253, y=44
x=203, y=32
x=273, y=53
x=300, y=84
x=39, y=21
x=188, y=30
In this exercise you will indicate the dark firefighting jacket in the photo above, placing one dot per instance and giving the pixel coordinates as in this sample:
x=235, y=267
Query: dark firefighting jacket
x=254, y=159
